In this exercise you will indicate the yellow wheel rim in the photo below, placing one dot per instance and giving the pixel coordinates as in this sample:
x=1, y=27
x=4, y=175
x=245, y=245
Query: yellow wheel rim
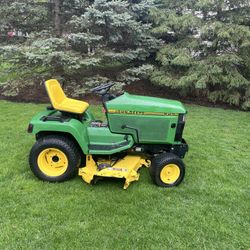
x=170, y=173
x=52, y=162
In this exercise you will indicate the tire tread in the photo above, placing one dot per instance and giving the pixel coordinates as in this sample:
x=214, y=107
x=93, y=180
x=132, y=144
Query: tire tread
x=161, y=160
x=69, y=147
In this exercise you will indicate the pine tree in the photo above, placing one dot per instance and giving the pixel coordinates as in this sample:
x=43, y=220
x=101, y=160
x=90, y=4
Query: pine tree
x=203, y=47
x=90, y=43
x=25, y=16
x=206, y=49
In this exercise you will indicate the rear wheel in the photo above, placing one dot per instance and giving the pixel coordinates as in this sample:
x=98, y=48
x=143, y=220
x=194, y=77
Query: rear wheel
x=54, y=158
x=167, y=170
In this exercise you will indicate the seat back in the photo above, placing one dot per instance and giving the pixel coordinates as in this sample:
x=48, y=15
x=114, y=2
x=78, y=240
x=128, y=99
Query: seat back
x=55, y=92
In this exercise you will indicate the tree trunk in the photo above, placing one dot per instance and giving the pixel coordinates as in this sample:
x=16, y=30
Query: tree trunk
x=57, y=19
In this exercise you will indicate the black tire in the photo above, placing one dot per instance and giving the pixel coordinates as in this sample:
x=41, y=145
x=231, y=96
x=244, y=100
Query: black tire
x=161, y=161
x=63, y=144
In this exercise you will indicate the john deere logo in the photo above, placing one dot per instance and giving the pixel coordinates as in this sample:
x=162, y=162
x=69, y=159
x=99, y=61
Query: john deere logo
x=130, y=112
x=126, y=112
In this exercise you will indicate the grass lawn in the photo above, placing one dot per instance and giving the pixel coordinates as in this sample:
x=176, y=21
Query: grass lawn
x=209, y=210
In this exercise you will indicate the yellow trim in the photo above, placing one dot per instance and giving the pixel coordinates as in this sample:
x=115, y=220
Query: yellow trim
x=52, y=162
x=61, y=102
x=126, y=112
x=170, y=173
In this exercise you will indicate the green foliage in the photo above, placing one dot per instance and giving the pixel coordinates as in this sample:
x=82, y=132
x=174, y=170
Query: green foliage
x=198, y=48
x=206, y=51
x=26, y=16
x=137, y=73
x=97, y=38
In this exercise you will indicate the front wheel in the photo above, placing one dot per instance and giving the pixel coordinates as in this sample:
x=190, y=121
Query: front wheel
x=167, y=170
x=54, y=158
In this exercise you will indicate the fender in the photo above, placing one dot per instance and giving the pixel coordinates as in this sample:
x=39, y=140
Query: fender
x=71, y=126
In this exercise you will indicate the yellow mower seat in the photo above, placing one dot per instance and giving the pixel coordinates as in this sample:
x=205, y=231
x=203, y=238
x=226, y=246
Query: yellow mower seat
x=61, y=102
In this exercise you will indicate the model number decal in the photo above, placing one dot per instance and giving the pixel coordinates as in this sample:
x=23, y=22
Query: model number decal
x=114, y=111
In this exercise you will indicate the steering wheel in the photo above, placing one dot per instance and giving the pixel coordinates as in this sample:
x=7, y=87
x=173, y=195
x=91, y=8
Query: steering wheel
x=102, y=89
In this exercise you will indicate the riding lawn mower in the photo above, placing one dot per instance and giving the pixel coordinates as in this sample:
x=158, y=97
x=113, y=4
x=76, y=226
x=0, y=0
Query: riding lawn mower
x=140, y=131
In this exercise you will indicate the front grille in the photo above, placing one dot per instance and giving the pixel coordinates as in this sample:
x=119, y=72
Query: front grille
x=180, y=127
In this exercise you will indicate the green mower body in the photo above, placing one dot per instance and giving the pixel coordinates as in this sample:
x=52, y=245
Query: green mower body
x=135, y=125
x=131, y=120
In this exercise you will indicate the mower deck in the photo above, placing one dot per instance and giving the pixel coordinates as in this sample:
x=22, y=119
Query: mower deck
x=126, y=167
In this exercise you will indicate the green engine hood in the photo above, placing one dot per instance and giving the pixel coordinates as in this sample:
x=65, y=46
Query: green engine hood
x=137, y=103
